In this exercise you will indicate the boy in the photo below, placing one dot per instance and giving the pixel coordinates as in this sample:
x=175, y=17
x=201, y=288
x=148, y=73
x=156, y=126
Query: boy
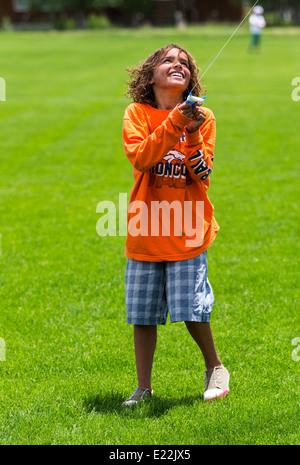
x=170, y=145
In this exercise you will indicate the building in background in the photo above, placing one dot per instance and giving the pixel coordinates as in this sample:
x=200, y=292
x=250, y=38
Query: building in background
x=15, y=10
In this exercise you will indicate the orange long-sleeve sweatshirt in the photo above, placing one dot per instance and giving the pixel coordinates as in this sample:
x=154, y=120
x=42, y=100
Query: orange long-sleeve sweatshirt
x=170, y=216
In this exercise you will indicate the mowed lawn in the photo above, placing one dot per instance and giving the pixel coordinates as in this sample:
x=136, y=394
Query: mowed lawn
x=69, y=353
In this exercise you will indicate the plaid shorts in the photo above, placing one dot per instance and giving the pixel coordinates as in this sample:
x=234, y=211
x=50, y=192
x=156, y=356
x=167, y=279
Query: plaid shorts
x=181, y=288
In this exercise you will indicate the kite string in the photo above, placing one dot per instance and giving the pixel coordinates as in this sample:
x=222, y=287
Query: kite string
x=226, y=44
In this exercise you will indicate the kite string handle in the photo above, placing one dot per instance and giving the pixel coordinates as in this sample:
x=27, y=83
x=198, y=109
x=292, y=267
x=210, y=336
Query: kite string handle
x=192, y=99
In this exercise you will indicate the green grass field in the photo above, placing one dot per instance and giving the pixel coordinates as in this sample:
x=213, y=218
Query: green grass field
x=69, y=353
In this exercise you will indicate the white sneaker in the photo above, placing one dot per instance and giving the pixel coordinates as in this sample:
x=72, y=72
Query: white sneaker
x=216, y=383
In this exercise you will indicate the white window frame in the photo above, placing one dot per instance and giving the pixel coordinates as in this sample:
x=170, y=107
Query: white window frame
x=21, y=6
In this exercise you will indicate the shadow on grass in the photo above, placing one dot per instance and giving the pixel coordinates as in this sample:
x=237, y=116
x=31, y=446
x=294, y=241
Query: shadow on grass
x=155, y=407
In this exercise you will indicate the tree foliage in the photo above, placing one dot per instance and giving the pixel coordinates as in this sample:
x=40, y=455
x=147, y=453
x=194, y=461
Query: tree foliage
x=277, y=6
x=131, y=6
x=270, y=4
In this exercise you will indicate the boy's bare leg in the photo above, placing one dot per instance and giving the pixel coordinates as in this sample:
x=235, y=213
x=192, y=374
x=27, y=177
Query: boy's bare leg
x=201, y=333
x=145, y=337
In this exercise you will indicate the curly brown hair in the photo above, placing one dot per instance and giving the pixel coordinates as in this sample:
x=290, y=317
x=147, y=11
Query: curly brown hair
x=139, y=87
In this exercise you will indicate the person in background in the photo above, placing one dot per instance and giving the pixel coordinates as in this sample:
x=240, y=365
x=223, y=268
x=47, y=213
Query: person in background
x=257, y=23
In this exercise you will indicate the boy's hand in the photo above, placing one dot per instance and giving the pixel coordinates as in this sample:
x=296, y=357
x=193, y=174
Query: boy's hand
x=198, y=118
x=186, y=109
x=195, y=112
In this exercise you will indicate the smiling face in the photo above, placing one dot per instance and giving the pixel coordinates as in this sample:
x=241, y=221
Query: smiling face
x=172, y=72
x=146, y=78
